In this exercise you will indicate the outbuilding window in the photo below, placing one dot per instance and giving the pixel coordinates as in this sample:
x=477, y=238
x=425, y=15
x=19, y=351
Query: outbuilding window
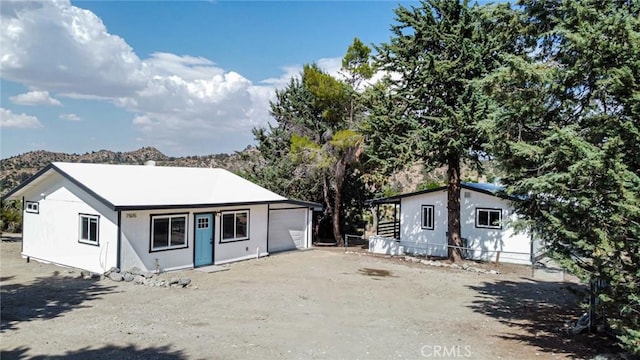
x=235, y=226
x=427, y=217
x=489, y=218
x=89, y=229
x=168, y=232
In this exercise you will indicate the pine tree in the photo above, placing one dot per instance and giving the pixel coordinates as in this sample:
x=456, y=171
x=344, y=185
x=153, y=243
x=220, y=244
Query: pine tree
x=316, y=139
x=429, y=106
x=567, y=133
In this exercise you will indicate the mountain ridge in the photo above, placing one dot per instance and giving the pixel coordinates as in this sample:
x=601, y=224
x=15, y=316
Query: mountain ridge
x=18, y=168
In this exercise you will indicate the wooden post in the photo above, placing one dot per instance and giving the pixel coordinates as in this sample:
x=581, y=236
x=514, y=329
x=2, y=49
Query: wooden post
x=497, y=259
x=395, y=219
x=377, y=216
x=533, y=270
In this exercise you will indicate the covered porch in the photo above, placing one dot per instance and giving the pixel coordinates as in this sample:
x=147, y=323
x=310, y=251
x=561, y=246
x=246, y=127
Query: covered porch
x=387, y=217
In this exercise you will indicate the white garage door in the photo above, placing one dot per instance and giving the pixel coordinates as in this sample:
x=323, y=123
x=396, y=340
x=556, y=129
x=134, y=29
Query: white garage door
x=287, y=229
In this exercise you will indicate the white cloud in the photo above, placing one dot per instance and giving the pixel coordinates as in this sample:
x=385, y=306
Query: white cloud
x=283, y=80
x=186, y=103
x=70, y=117
x=141, y=120
x=186, y=67
x=329, y=65
x=10, y=119
x=56, y=46
x=33, y=98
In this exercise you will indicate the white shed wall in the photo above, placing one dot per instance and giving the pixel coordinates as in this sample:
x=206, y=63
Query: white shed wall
x=385, y=245
x=484, y=243
x=514, y=248
x=52, y=234
x=413, y=238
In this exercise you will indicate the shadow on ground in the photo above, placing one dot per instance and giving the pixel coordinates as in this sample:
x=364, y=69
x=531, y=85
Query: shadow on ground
x=107, y=353
x=546, y=311
x=46, y=298
x=11, y=237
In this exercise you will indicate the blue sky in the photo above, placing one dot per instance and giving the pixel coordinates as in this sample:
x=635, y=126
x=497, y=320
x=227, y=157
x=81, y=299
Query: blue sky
x=186, y=77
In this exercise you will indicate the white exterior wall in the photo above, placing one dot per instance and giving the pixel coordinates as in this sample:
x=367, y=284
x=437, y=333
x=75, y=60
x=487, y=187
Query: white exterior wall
x=52, y=234
x=136, y=242
x=385, y=245
x=307, y=231
x=246, y=249
x=136, y=239
x=413, y=238
x=484, y=242
x=308, y=242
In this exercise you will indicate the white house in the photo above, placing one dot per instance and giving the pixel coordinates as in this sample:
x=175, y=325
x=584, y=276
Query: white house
x=419, y=225
x=95, y=216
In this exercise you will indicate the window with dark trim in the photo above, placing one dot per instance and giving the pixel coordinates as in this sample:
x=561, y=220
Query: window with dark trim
x=489, y=218
x=168, y=232
x=427, y=217
x=32, y=207
x=89, y=229
x=235, y=226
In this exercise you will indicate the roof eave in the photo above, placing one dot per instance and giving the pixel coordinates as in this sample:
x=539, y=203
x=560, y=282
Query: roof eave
x=79, y=184
x=314, y=206
x=396, y=198
x=52, y=166
x=311, y=205
x=25, y=183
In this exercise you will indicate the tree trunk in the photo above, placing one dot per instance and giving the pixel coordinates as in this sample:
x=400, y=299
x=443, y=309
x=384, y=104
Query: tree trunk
x=453, y=209
x=336, y=218
x=339, y=175
x=327, y=214
x=374, y=214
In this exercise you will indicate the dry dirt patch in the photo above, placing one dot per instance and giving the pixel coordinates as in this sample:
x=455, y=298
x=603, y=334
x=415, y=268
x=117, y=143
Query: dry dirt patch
x=300, y=305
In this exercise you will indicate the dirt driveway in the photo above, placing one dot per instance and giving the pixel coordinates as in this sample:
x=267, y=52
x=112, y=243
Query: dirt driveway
x=318, y=304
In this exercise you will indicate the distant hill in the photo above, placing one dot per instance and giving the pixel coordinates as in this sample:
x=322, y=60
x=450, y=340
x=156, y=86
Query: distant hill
x=18, y=168
x=415, y=177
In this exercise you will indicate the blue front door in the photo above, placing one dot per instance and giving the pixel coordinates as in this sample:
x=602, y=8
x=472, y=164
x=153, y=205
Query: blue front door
x=204, y=240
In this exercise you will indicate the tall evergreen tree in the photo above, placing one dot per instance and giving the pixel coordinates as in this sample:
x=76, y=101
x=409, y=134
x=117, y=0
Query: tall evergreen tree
x=567, y=133
x=429, y=107
x=316, y=138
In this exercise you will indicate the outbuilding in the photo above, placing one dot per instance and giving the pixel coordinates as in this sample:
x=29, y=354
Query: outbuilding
x=97, y=216
x=417, y=224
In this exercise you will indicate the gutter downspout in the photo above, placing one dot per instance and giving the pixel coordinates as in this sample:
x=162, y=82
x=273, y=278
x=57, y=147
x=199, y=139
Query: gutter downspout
x=119, y=241
x=268, y=224
x=22, y=242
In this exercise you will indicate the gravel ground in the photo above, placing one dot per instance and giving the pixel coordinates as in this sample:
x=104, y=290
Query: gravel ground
x=318, y=304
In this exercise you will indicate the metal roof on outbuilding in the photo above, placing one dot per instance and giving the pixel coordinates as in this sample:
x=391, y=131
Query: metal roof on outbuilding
x=485, y=188
x=128, y=187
